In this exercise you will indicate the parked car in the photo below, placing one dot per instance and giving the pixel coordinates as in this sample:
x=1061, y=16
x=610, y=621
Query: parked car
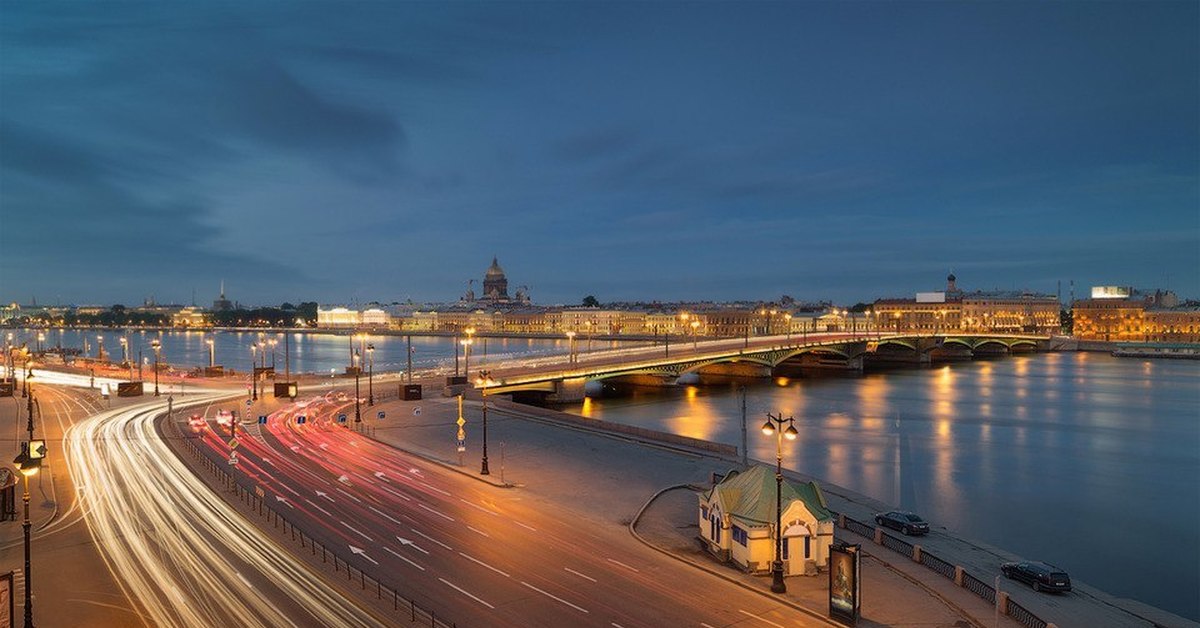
x=905, y=522
x=1040, y=576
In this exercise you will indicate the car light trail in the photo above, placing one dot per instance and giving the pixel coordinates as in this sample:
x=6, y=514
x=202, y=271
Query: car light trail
x=175, y=546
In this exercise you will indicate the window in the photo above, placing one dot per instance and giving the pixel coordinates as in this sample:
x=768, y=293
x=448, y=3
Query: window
x=739, y=535
x=704, y=512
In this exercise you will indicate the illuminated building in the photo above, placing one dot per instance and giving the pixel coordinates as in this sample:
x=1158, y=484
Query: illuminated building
x=957, y=311
x=191, y=317
x=338, y=317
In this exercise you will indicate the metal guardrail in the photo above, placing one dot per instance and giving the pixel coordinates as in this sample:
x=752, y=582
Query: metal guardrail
x=937, y=564
x=979, y=587
x=1021, y=614
x=340, y=563
x=943, y=568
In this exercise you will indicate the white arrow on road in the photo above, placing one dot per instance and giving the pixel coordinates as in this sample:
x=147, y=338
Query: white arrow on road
x=325, y=495
x=281, y=498
x=361, y=552
x=324, y=446
x=380, y=475
x=404, y=541
x=345, y=479
x=295, y=448
x=414, y=471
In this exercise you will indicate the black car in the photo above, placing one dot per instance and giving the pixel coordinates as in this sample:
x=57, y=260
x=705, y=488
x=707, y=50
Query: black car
x=905, y=522
x=1040, y=576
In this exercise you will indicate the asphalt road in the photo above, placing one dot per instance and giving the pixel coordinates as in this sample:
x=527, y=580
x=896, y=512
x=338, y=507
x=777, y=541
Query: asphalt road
x=474, y=553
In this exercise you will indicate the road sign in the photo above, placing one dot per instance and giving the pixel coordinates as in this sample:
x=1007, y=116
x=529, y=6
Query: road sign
x=417, y=411
x=301, y=419
x=233, y=459
x=233, y=443
x=249, y=403
x=341, y=418
x=381, y=414
x=262, y=419
x=258, y=490
x=37, y=449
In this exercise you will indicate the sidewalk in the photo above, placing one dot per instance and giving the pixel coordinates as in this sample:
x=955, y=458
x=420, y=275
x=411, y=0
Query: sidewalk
x=608, y=479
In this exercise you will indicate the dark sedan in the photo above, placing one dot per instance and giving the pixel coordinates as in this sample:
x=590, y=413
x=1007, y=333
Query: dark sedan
x=905, y=522
x=1040, y=576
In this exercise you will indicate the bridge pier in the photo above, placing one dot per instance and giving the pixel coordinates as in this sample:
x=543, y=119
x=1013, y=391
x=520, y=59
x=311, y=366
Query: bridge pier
x=568, y=391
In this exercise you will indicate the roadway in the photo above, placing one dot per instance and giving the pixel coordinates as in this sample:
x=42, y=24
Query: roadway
x=472, y=552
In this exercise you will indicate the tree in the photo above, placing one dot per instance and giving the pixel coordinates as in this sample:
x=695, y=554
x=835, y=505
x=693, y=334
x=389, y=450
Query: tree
x=1066, y=318
x=591, y=301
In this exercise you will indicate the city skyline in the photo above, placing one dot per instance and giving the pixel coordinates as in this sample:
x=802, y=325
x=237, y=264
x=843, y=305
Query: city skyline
x=839, y=152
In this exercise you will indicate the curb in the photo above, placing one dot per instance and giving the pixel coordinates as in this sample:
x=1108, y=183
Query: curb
x=759, y=591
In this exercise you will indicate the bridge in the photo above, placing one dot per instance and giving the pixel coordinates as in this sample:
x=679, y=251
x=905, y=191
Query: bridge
x=756, y=357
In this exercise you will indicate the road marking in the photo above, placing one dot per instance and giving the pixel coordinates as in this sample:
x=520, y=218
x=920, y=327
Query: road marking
x=356, y=531
x=361, y=552
x=477, y=506
x=404, y=541
x=474, y=529
x=760, y=618
x=554, y=597
x=364, y=478
x=393, y=553
x=396, y=493
x=617, y=562
x=385, y=515
x=579, y=574
x=434, y=488
x=617, y=625
x=480, y=562
x=347, y=494
x=447, y=517
x=243, y=579
x=460, y=590
x=704, y=625
x=291, y=490
x=529, y=527
x=426, y=536
x=325, y=495
x=314, y=505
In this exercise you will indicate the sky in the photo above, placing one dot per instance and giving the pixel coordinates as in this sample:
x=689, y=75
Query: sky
x=373, y=151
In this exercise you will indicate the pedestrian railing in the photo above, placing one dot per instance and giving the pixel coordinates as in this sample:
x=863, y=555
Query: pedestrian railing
x=257, y=503
x=1019, y=613
x=946, y=569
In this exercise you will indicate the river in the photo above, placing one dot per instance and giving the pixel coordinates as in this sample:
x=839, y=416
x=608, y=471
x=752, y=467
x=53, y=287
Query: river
x=1083, y=460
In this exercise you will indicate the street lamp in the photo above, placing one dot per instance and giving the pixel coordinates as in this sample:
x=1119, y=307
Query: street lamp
x=466, y=343
x=787, y=318
x=212, y=354
x=483, y=381
x=28, y=467
x=253, y=372
x=774, y=426
x=695, y=325
x=357, y=370
x=41, y=339
x=124, y=350
x=571, y=347
x=157, y=345
x=272, y=342
x=100, y=348
x=370, y=375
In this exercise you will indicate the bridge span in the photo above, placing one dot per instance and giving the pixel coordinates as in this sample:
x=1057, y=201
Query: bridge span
x=564, y=381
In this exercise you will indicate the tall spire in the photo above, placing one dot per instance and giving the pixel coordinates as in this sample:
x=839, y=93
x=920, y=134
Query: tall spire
x=222, y=288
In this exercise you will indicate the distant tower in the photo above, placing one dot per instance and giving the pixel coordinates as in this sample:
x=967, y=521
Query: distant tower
x=950, y=285
x=222, y=304
x=495, y=284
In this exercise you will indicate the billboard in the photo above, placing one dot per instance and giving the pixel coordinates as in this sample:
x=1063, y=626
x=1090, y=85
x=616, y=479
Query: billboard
x=844, y=584
x=1111, y=292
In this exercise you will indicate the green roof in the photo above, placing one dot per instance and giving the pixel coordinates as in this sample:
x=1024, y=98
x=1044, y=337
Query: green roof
x=750, y=495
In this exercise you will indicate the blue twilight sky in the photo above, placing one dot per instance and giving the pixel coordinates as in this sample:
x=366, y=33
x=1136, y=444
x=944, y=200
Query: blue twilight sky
x=373, y=150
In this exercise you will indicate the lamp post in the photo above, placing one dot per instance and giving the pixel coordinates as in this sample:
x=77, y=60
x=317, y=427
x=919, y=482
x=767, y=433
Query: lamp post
x=28, y=467
x=100, y=348
x=787, y=321
x=484, y=380
x=466, y=343
x=774, y=426
x=41, y=339
x=695, y=324
x=156, y=345
x=272, y=342
x=254, y=372
x=370, y=375
x=124, y=350
x=212, y=353
x=588, y=324
x=571, y=347
x=357, y=370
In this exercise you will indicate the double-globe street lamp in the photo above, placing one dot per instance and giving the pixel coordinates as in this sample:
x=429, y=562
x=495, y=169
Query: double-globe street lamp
x=28, y=466
x=775, y=426
x=157, y=345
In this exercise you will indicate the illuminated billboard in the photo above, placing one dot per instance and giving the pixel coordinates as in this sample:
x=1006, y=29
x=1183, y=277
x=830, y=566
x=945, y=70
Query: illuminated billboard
x=1111, y=292
x=844, y=586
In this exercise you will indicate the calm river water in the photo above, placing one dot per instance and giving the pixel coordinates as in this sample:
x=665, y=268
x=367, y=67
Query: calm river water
x=1080, y=459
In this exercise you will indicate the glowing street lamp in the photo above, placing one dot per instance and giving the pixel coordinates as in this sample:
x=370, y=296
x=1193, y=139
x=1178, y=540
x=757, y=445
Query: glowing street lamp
x=357, y=370
x=100, y=348
x=254, y=371
x=370, y=375
x=156, y=344
x=466, y=343
x=571, y=347
x=212, y=354
x=774, y=426
x=28, y=466
x=485, y=379
x=695, y=325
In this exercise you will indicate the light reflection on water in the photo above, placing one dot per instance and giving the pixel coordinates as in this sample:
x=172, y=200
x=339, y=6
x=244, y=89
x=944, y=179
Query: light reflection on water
x=1083, y=460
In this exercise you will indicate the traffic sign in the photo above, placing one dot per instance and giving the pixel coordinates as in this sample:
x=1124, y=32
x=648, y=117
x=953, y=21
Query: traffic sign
x=301, y=419
x=249, y=403
x=233, y=443
x=262, y=419
x=341, y=418
x=417, y=411
x=37, y=449
x=381, y=414
x=233, y=459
